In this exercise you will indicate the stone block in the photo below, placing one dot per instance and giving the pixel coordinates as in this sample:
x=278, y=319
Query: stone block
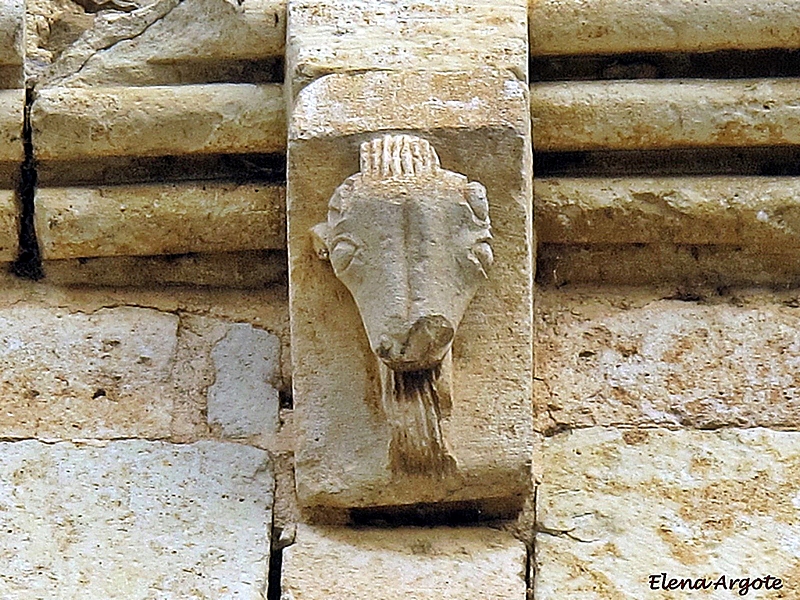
x=642, y=115
x=154, y=219
x=12, y=107
x=162, y=42
x=568, y=27
x=342, y=36
x=618, y=506
x=9, y=226
x=158, y=121
x=344, y=436
x=75, y=374
x=243, y=401
x=610, y=357
x=416, y=563
x=756, y=212
x=134, y=520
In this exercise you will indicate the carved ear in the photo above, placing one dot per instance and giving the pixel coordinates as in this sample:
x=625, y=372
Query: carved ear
x=476, y=198
x=319, y=239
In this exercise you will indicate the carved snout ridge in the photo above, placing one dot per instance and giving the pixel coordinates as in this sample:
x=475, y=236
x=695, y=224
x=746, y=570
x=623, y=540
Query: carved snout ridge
x=424, y=346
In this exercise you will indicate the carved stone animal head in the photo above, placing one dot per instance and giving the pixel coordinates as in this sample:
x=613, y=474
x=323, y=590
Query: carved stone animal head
x=412, y=242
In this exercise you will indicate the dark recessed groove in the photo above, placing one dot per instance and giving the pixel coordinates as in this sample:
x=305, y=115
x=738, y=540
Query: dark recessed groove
x=762, y=161
x=268, y=168
x=274, y=574
x=185, y=72
x=428, y=515
x=29, y=260
x=724, y=64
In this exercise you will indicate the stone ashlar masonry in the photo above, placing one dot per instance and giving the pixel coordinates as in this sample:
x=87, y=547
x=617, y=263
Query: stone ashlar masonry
x=176, y=364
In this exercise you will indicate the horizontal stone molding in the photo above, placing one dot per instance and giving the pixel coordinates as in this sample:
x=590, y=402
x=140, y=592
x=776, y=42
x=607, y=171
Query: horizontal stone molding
x=616, y=26
x=178, y=218
x=12, y=19
x=163, y=42
x=655, y=114
x=761, y=212
x=77, y=123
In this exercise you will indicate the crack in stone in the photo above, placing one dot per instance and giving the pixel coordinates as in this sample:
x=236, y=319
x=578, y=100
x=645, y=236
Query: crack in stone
x=110, y=31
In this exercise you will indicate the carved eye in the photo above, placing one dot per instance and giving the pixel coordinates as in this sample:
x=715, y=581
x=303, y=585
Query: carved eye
x=482, y=252
x=342, y=254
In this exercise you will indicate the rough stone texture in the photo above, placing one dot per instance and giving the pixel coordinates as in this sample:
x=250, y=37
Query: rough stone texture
x=617, y=506
x=220, y=118
x=618, y=115
x=618, y=26
x=9, y=226
x=102, y=374
x=343, y=436
x=342, y=36
x=134, y=520
x=204, y=314
x=414, y=563
x=243, y=401
x=156, y=219
x=70, y=368
x=12, y=106
x=756, y=212
x=12, y=18
x=607, y=357
x=235, y=270
x=164, y=41
x=685, y=266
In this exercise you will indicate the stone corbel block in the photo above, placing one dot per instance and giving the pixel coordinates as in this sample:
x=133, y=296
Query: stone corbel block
x=417, y=189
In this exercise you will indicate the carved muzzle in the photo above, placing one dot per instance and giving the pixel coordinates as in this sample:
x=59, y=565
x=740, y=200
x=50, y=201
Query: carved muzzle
x=411, y=241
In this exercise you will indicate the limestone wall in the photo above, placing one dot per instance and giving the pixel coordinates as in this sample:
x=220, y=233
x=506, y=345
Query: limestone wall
x=188, y=403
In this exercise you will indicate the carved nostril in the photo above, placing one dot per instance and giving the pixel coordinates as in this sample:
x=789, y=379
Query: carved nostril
x=428, y=337
x=384, y=349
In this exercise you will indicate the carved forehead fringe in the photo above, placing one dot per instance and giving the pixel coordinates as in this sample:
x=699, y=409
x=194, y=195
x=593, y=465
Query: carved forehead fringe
x=398, y=157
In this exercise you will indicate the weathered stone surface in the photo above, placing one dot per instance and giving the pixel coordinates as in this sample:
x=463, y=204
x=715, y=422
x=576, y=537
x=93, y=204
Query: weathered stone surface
x=163, y=42
x=243, y=401
x=618, y=115
x=756, y=212
x=157, y=219
x=343, y=435
x=134, y=520
x=12, y=106
x=236, y=270
x=617, y=26
x=412, y=243
x=103, y=374
x=71, y=123
x=328, y=563
x=12, y=19
x=683, y=266
x=628, y=357
x=342, y=36
x=617, y=506
x=9, y=226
